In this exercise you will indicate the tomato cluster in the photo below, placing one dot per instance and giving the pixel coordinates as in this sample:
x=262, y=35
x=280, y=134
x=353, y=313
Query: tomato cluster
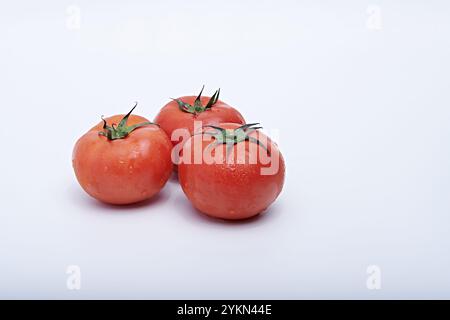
x=227, y=169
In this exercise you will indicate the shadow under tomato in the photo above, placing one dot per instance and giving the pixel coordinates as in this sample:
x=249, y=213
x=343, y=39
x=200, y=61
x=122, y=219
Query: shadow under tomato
x=88, y=201
x=158, y=198
x=190, y=211
x=174, y=178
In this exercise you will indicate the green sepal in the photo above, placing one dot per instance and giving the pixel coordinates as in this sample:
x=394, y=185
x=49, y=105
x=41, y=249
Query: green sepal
x=122, y=130
x=197, y=107
x=232, y=137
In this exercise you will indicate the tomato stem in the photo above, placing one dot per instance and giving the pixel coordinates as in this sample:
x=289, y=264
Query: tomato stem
x=122, y=130
x=234, y=136
x=197, y=107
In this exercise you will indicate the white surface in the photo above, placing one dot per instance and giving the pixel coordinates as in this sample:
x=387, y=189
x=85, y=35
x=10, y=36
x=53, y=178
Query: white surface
x=363, y=116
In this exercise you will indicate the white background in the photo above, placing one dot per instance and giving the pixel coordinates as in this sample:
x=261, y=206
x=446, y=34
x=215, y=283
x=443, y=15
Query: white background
x=358, y=90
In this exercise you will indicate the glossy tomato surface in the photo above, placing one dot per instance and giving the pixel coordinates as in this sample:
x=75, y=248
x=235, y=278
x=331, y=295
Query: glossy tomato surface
x=232, y=189
x=126, y=170
x=171, y=117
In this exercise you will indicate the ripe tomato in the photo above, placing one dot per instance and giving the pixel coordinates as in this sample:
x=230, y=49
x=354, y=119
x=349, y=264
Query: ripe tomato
x=182, y=112
x=243, y=176
x=122, y=160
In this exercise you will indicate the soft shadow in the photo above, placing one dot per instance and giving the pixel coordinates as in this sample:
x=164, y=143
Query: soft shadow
x=188, y=210
x=158, y=198
x=83, y=199
x=174, y=178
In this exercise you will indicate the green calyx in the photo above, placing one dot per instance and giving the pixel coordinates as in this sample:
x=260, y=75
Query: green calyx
x=230, y=137
x=198, y=107
x=121, y=131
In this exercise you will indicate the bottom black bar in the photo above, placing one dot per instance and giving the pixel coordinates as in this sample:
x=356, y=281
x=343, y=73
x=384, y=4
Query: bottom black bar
x=228, y=309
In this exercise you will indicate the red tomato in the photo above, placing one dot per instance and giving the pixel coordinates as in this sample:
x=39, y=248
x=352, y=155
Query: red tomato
x=123, y=160
x=182, y=112
x=232, y=186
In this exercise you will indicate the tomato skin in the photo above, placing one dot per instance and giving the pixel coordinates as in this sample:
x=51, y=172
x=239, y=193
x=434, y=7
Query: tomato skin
x=171, y=117
x=123, y=171
x=230, y=191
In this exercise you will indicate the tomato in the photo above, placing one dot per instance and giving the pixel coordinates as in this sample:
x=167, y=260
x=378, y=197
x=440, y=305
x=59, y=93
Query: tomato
x=229, y=184
x=182, y=112
x=122, y=160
